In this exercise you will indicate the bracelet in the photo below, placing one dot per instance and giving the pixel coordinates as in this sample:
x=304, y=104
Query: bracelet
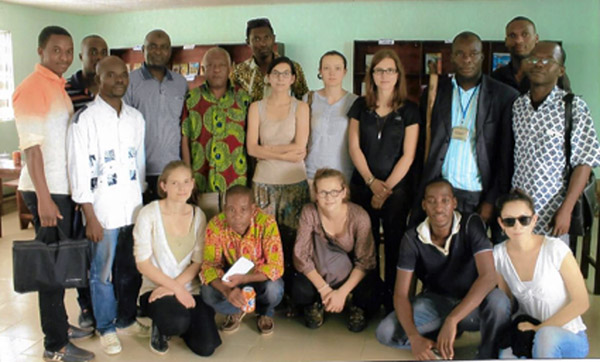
x=370, y=181
x=322, y=287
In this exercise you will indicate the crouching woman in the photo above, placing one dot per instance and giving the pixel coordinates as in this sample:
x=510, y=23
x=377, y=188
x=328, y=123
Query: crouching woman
x=334, y=254
x=168, y=243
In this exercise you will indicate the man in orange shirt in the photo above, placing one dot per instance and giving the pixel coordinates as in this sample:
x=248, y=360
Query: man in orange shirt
x=42, y=111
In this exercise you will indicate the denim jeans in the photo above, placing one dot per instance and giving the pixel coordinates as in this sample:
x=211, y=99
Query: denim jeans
x=104, y=300
x=430, y=310
x=268, y=295
x=51, y=303
x=555, y=342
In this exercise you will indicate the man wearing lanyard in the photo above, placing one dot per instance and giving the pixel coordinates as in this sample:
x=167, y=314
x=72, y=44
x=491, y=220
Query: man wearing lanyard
x=470, y=125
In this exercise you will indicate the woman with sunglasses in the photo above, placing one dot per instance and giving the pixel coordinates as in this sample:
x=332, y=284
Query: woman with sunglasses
x=335, y=255
x=383, y=137
x=541, y=273
x=277, y=134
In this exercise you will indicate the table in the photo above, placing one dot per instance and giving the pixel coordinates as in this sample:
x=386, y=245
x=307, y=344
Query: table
x=9, y=171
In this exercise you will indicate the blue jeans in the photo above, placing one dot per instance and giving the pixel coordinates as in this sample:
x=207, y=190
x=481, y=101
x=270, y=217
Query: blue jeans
x=102, y=290
x=268, y=295
x=430, y=310
x=555, y=342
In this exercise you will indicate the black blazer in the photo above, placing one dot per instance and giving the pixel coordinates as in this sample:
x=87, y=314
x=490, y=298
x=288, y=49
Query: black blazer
x=494, y=140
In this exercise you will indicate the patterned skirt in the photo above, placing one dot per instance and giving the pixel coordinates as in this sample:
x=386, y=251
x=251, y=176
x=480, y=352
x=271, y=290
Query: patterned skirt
x=285, y=202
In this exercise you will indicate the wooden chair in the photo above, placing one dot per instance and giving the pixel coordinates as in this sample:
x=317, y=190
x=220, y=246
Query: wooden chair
x=25, y=216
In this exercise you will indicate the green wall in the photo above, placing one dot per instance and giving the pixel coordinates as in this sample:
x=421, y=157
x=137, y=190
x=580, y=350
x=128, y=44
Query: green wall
x=308, y=30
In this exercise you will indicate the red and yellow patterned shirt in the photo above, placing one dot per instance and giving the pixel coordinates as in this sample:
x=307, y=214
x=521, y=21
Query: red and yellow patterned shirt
x=261, y=244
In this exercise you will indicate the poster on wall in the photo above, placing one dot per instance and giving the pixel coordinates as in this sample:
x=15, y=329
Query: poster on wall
x=500, y=60
x=433, y=61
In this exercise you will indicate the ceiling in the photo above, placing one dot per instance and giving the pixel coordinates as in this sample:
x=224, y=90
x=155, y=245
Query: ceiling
x=117, y=6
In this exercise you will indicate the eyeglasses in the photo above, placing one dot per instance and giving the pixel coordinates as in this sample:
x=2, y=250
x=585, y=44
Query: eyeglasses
x=524, y=220
x=543, y=61
x=333, y=193
x=381, y=71
x=277, y=74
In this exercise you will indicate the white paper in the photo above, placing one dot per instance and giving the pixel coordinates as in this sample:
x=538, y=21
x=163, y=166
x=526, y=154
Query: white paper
x=241, y=266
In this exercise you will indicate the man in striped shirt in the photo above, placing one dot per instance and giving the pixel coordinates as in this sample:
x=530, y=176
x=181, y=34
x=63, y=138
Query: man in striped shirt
x=82, y=86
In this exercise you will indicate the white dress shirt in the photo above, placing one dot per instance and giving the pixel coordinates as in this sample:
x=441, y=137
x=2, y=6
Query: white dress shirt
x=106, y=161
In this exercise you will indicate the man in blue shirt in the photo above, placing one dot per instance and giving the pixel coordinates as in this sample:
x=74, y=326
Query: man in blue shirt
x=470, y=132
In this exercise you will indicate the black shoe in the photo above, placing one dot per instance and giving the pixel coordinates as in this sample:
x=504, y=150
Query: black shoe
x=158, y=342
x=314, y=315
x=357, y=321
x=86, y=319
x=72, y=353
x=79, y=333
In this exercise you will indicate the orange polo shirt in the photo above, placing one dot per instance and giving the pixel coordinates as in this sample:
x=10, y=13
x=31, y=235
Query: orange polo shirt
x=42, y=112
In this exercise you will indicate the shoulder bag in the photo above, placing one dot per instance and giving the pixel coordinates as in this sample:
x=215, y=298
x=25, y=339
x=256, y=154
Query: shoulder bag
x=38, y=266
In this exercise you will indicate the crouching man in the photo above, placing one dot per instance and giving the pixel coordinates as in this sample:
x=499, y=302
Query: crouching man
x=243, y=230
x=452, y=256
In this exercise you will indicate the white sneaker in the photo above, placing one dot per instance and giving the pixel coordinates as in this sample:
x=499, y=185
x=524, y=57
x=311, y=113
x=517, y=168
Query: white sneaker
x=110, y=343
x=136, y=329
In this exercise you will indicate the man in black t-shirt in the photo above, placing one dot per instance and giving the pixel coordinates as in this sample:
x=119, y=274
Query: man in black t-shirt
x=452, y=256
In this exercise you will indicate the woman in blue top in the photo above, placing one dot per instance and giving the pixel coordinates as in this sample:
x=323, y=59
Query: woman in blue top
x=328, y=142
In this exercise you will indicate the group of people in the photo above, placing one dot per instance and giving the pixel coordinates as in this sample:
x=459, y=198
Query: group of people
x=177, y=185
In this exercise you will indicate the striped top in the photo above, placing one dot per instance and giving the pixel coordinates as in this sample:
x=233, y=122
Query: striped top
x=77, y=91
x=460, y=164
x=42, y=111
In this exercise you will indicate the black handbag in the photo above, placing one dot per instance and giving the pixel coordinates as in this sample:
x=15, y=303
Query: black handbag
x=38, y=266
x=585, y=208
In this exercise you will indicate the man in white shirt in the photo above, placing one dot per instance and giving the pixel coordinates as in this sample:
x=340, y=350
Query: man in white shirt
x=106, y=170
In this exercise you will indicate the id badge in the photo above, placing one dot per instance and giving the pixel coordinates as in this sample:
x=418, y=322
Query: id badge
x=460, y=133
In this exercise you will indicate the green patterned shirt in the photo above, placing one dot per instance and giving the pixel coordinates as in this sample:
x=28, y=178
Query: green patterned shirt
x=216, y=129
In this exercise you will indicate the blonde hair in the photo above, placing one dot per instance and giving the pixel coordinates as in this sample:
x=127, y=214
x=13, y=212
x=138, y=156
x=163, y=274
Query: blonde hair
x=324, y=173
x=400, y=92
x=169, y=168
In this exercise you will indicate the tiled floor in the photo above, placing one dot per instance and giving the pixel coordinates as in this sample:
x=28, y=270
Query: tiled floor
x=21, y=336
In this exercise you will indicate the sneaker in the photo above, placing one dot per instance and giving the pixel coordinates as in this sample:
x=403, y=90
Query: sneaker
x=72, y=353
x=86, y=319
x=79, y=333
x=356, y=319
x=135, y=329
x=158, y=342
x=110, y=343
x=314, y=315
x=232, y=322
x=265, y=324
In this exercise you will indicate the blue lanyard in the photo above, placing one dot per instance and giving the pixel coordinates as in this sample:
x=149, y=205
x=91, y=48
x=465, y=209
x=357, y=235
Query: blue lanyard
x=465, y=110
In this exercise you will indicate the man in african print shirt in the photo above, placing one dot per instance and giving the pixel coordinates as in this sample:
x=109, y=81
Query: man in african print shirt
x=214, y=127
x=242, y=230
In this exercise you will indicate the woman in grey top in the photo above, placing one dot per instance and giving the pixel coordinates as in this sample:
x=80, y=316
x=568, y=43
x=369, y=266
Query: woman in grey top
x=328, y=142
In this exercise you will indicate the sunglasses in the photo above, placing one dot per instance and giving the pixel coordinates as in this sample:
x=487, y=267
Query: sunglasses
x=511, y=221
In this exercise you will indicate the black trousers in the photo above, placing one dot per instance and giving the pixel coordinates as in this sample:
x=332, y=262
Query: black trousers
x=151, y=193
x=196, y=326
x=84, y=298
x=53, y=315
x=393, y=216
x=367, y=295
